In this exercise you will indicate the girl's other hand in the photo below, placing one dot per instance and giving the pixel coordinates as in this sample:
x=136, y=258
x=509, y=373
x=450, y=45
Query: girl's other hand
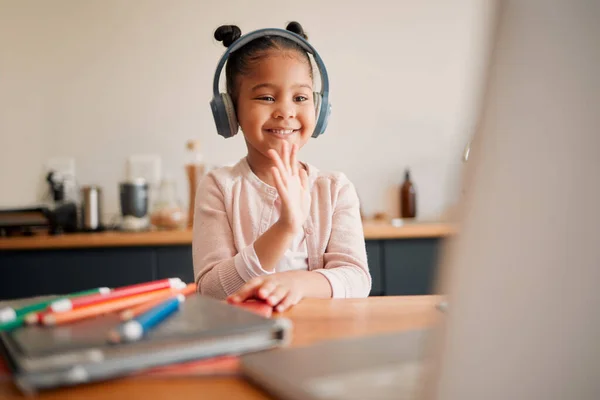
x=281, y=290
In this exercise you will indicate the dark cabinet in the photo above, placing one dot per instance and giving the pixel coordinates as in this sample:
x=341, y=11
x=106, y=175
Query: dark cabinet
x=42, y=272
x=175, y=262
x=374, y=258
x=410, y=266
x=398, y=267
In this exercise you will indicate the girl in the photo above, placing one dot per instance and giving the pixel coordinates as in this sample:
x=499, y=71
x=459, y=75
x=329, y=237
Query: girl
x=273, y=228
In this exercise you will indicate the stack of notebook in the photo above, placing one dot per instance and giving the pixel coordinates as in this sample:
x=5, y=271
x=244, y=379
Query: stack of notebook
x=42, y=357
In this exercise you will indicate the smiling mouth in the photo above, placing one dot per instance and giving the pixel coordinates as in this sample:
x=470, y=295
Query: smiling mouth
x=282, y=132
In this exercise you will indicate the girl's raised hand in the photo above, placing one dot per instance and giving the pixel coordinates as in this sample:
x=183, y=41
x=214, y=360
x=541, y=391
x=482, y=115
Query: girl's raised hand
x=293, y=188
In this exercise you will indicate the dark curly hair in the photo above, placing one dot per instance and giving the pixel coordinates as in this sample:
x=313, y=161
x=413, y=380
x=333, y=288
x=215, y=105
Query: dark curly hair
x=241, y=61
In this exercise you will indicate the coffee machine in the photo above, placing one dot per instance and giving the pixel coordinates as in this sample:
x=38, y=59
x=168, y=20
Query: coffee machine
x=134, y=201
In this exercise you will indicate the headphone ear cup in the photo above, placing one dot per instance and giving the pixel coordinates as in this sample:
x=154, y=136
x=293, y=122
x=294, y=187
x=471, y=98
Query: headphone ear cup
x=317, y=99
x=230, y=111
x=322, y=115
x=224, y=115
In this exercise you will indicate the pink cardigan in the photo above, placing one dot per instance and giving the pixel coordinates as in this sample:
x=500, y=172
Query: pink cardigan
x=233, y=208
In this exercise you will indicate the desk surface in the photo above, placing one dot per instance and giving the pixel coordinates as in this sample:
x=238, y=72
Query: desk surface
x=314, y=320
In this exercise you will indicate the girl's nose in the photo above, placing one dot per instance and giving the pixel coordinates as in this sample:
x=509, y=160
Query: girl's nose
x=284, y=110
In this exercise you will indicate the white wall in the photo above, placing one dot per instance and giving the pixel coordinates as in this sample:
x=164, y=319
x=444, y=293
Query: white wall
x=99, y=80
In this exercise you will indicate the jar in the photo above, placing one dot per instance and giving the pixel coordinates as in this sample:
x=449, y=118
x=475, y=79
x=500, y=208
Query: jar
x=168, y=212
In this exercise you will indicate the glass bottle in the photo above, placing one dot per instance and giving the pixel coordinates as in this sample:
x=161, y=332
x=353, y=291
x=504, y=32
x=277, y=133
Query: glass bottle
x=194, y=170
x=408, y=197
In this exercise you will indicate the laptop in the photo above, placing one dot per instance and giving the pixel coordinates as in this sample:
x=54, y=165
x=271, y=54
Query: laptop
x=378, y=367
x=522, y=277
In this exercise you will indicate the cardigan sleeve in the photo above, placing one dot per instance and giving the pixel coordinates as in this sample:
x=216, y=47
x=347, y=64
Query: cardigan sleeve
x=345, y=259
x=219, y=269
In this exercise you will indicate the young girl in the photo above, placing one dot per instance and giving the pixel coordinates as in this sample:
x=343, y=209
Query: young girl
x=273, y=228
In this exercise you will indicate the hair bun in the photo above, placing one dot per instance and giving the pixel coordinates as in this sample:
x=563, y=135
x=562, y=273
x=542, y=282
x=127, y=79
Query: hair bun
x=297, y=29
x=227, y=34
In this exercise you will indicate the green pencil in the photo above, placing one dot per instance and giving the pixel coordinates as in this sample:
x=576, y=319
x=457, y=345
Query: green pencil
x=15, y=323
x=9, y=314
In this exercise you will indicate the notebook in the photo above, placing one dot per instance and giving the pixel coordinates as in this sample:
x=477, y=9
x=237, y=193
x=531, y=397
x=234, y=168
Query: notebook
x=47, y=357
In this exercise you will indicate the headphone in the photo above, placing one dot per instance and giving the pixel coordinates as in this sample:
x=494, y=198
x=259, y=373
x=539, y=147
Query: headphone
x=222, y=105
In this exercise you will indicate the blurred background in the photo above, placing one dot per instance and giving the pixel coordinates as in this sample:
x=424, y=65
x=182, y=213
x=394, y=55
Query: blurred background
x=88, y=86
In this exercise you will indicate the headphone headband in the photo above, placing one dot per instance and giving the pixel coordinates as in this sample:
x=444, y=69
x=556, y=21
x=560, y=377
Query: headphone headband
x=247, y=38
x=222, y=105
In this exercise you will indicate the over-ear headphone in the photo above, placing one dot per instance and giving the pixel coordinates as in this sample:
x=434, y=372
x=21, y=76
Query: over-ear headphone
x=222, y=105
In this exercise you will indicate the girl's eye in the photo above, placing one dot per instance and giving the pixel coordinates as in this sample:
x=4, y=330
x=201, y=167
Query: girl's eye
x=300, y=98
x=266, y=98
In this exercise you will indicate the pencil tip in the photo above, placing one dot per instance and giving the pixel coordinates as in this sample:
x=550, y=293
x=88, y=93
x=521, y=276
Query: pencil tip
x=31, y=319
x=114, y=337
x=49, y=320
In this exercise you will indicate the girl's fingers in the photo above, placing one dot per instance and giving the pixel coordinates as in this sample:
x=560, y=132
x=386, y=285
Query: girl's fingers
x=246, y=292
x=279, y=185
x=290, y=300
x=266, y=290
x=286, y=157
x=277, y=295
x=274, y=155
x=279, y=164
x=293, y=160
x=304, y=179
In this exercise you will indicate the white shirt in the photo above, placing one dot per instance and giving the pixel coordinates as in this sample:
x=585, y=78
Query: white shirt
x=295, y=257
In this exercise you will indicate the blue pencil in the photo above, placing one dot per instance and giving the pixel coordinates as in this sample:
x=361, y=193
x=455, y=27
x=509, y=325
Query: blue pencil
x=136, y=328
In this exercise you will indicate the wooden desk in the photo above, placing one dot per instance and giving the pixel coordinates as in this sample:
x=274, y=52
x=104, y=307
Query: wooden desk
x=314, y=320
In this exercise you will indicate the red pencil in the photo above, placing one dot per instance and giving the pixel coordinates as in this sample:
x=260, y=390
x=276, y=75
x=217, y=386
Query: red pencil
x=257, y=307
x=104, y=307
x=64, y=305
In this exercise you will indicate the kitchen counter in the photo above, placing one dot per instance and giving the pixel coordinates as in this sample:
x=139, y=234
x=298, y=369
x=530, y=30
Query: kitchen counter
x=373, y=231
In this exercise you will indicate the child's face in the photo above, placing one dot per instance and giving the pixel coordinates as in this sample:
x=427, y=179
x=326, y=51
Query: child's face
x=275, y=103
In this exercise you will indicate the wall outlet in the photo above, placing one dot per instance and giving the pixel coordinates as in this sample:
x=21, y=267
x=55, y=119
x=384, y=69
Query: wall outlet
x=147, y=166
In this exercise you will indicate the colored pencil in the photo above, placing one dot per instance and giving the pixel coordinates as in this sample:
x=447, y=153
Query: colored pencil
x=135, y=329
x=8, y=314
x=94, y=310
x=257, y=307
x=142, y=308
x=64, y=305
x=9, y=325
